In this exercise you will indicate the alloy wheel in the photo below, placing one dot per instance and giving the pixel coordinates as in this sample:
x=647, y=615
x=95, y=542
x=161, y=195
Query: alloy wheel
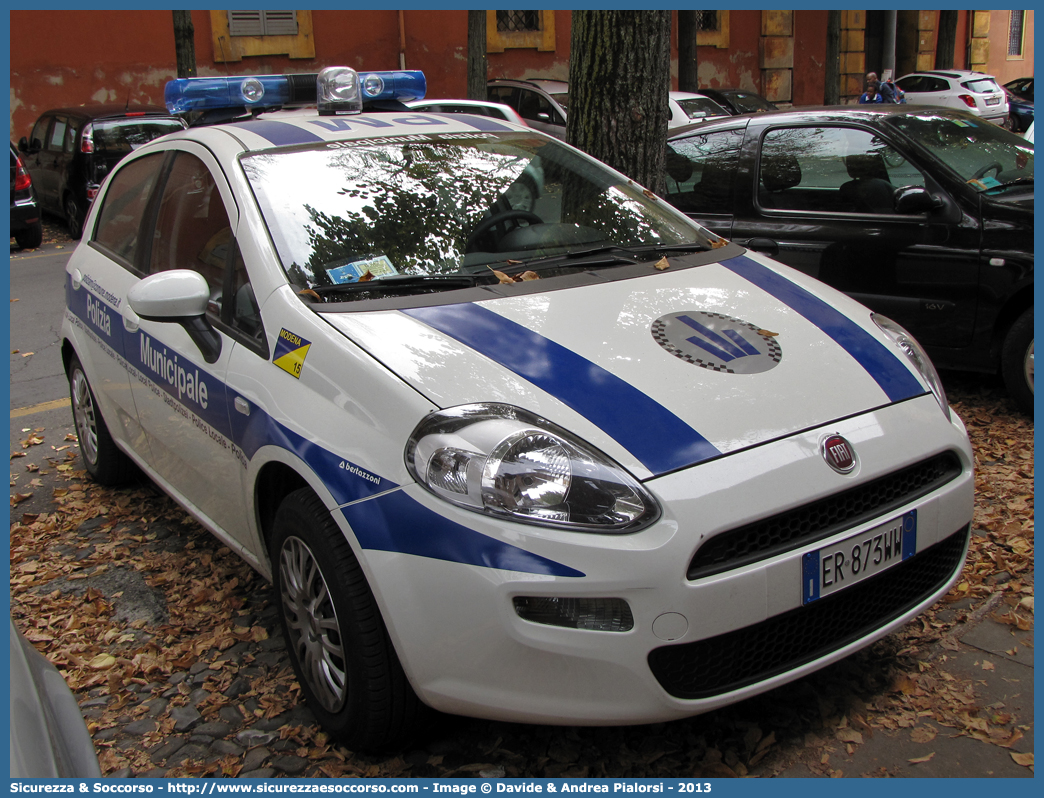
x=84, y=416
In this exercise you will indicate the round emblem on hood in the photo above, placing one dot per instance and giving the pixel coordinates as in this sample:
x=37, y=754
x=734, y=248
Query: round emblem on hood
x=839, y=454
x=717, y=342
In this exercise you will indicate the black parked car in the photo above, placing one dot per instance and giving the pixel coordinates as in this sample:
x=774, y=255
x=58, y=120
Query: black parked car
x=26, y=227
x=923, y=215
x=71, y=150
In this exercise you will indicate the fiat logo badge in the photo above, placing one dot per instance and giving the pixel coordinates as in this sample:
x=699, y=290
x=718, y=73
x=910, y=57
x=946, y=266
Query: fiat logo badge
x=839, y=454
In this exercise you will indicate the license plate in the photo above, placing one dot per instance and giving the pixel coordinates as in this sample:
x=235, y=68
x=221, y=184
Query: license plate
x=861, y=556
x=993, y=101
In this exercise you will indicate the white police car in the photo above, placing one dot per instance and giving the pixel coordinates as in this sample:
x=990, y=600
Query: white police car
x=513, y=438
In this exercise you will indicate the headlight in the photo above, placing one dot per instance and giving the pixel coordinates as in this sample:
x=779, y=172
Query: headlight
x=916, y=355
x=506, y=462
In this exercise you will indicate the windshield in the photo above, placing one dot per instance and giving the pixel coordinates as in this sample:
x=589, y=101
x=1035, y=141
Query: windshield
x=443, y=206
x=701, y=107
x=984, y=155
x=561, y=98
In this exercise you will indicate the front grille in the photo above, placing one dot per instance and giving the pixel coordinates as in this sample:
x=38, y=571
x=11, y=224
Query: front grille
x=824, y=518
x=745, y=656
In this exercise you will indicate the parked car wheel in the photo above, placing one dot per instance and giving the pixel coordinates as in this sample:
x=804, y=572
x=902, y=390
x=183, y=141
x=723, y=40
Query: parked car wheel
x=102, y=458
x=338, y=645
x=73, y=218
x=1017, y=361
x=31, y=237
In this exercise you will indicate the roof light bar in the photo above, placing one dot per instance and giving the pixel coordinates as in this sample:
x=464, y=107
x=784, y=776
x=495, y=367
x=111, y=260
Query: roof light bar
x=336, y=90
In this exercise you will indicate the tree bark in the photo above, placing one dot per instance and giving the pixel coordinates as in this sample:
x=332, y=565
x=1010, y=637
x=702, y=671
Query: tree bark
x=619, y=78
x=832, y=85
x=184, y=44
x=688, y=73
x=946, y=48
x=477, y=68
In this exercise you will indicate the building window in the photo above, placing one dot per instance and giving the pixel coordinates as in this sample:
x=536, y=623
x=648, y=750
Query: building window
x=518, y=21
x=520, y=30
x=262, y=23
x=241, y=34
x=1015, y=33
x=712, y=29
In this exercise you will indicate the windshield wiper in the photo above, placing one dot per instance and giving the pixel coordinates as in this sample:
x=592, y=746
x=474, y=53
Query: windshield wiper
x=404, y=282
x=613, y=254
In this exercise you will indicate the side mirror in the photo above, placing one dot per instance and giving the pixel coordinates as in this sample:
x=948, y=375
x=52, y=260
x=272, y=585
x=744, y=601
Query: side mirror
x=915, y=199
x=178, y=296
x=23, y=144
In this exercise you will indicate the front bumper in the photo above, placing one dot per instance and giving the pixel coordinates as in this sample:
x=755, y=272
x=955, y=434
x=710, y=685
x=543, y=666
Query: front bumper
x=697, y=643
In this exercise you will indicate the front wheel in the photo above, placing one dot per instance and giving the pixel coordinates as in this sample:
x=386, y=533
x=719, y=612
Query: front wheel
x=102, y=458
x=338, y=645
x=31, y=237
x=1017, y=362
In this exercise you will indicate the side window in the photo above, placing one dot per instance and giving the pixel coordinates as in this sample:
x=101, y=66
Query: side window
x=57, y=137
x=36, y=140
x=70, y=136
x=244, y=314
x=531, y=105
x=503, y=94
x=701, y=171
x=120, y=218
x=192, y=228
x=831, y=169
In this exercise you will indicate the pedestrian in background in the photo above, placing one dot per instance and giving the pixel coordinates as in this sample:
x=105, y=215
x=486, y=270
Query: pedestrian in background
x=872, y=94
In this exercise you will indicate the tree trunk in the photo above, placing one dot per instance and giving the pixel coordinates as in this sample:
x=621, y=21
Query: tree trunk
x=184, y=44
x=946, y=49
x=832, y=86
x=619, y=78
x=477, y=55
x=688, y=77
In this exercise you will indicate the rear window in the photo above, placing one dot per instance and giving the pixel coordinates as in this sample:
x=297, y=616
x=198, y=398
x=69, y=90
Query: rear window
x=123, y=136
x=701, y=107
x=981, y=85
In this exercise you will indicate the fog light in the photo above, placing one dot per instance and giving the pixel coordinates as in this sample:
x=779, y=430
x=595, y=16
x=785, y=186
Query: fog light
x=598, y=614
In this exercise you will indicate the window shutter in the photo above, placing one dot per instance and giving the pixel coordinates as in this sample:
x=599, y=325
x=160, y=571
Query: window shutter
x=262, y=23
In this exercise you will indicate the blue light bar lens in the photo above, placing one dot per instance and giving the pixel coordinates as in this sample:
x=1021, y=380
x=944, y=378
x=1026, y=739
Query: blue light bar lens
x=201, y=94
x=402, y=86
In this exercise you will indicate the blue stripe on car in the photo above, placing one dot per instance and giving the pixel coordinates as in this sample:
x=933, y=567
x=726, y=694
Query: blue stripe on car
x=396, y=522
x=424, y=532
x=660, y=440
x=895, y=379
x=279, y=133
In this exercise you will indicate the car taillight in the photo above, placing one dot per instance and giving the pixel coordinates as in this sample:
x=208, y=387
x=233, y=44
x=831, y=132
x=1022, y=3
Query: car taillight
x=968, y=100
x=22, y=179
x=87, y=139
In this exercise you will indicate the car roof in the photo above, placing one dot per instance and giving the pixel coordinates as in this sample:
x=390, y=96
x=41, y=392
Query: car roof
x=826, y=113
x=109, y=110
x=688, y=95
x=955, y=74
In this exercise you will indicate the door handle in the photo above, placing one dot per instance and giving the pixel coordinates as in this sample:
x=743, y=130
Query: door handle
x=766, y=245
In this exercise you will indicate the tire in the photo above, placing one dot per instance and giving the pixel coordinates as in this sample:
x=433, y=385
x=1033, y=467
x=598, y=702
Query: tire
x=73, y=217
x=337, y=641
x=102, y=458
x=1017, y=362
x=31, y=237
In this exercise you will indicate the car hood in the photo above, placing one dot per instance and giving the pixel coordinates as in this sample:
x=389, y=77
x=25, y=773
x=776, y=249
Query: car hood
x=661, y=371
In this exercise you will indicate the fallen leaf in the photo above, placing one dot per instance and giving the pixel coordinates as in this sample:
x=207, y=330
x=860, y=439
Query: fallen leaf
x=769, y=333
x=501, y=277
x=923, y=734
x=718, y=243
x=921, y=759
x=988, y=666
x=649, y=194
x=528, y=275
x=1026, y=760
x=27, y=354
x=102, y=662
x=310, y=293
x=661, y=264
x=366, y=276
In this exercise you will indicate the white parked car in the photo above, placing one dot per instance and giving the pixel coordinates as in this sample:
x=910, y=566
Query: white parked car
x=688, y=108
x=579, y=462
x=476, y=107
x=542, y=103
x=957, y=88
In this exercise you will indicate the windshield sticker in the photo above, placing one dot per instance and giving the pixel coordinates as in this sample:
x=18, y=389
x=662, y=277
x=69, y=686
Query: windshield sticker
x=290, y=353
x=718, y=342
x=353, y=271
